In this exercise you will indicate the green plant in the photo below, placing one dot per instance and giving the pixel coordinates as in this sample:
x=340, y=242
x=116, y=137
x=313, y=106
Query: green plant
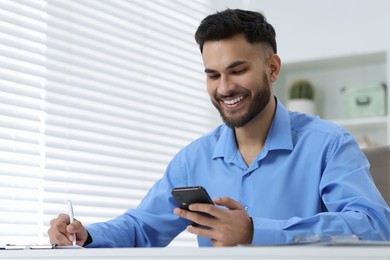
x=301, y=89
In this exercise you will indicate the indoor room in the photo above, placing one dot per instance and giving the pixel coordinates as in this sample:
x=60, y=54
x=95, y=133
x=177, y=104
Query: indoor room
x=101, y=99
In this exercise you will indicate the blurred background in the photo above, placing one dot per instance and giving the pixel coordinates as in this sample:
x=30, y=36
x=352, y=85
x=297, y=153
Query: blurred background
x=96, y=96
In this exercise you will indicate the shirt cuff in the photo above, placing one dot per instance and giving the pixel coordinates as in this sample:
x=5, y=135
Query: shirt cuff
x=268, y=231
x=89, y=239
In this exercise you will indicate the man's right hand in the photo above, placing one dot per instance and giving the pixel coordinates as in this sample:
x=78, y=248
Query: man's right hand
x=61, y=232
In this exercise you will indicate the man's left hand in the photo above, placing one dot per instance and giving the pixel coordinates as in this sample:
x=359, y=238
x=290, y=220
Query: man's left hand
x=229, y=227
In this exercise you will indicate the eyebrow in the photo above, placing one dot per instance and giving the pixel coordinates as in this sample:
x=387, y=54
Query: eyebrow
x=232, y=65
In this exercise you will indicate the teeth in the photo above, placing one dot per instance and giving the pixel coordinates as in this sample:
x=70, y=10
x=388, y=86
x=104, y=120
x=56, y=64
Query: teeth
x=233, y=101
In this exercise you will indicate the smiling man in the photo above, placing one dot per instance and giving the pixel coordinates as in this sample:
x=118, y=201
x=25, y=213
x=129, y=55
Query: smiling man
x=274, y=174
x=239, y=79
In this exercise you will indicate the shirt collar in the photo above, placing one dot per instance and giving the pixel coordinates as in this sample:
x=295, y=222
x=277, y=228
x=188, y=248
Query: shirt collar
x=279, y=136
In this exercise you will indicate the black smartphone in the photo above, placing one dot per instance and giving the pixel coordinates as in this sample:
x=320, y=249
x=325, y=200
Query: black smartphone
x=185, y=196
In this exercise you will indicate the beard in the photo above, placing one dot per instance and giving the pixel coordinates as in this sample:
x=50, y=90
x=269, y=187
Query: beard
x=257, y=104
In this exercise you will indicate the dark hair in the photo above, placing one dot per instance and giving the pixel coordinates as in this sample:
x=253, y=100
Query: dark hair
x=225, y=24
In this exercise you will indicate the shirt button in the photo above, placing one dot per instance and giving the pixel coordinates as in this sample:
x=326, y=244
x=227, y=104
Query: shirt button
x=246, y=208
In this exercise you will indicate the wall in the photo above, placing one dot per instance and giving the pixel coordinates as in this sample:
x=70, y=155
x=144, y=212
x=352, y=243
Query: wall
x=309, y=29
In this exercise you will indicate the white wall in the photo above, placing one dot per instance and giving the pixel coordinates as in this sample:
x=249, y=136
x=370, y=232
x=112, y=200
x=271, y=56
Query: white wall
x=308, y=29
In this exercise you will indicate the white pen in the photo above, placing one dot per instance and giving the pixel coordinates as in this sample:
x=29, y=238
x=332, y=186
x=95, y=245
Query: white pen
x=71, y=218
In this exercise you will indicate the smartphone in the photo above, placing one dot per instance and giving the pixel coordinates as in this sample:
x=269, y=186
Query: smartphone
x=185, y=196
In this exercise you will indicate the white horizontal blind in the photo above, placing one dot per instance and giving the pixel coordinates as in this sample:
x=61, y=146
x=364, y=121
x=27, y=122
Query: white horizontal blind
x=114, y=89
x=22, y=91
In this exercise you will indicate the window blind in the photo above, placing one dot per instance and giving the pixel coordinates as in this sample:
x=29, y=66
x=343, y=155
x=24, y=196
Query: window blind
x=96, y=98
x=22, y=91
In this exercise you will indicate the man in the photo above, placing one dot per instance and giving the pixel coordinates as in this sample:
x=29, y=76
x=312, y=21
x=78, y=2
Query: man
x=274, y=174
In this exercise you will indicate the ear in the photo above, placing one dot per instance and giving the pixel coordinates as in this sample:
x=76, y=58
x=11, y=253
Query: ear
x=274, y=67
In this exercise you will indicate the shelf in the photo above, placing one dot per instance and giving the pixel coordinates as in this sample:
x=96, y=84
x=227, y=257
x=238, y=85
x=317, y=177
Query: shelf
x=366, y=122
x=329, y=76
x=368, y=131
x=340, y=62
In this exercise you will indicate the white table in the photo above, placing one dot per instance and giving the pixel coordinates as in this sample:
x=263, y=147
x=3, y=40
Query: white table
x=241, y=253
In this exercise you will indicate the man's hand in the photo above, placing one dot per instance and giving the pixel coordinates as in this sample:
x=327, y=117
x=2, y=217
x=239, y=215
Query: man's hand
x=229, y=227
x=61, y=232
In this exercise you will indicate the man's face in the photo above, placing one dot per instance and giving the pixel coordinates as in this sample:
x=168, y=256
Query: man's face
x=237, y=79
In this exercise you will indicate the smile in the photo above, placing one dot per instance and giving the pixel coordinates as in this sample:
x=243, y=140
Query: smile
x=233, y=101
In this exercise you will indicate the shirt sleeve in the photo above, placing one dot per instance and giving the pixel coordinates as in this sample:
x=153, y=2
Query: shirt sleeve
x=352, y=203
x=151, y=224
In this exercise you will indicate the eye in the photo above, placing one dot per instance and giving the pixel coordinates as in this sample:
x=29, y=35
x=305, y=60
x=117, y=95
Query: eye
x=239, y=71
x=213, y=76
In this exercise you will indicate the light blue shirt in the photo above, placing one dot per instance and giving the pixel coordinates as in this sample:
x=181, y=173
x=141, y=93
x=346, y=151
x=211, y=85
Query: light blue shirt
x=310, y=178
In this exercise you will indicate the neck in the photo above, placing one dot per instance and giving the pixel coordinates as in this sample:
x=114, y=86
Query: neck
x=251, y=137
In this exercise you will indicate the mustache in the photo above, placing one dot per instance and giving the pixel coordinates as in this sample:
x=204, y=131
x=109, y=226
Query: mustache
x=230, y=95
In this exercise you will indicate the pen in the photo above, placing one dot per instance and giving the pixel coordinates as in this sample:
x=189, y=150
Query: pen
x=71, y=217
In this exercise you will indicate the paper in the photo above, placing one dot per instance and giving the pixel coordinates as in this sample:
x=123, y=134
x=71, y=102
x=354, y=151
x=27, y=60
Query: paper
x=33, y=246
x=23, y=247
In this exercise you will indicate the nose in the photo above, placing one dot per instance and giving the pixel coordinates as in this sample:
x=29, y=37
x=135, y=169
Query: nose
x=225, y=87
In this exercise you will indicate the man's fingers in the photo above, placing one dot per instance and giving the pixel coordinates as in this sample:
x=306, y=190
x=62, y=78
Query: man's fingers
x=213, y=210
x=203, y=232
x=210, y=209
x=62, y=232
x=74, y=227
x=196, y=217
x=61, y=219
x=77, y=228
x=227, y=202
x=58, y=230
